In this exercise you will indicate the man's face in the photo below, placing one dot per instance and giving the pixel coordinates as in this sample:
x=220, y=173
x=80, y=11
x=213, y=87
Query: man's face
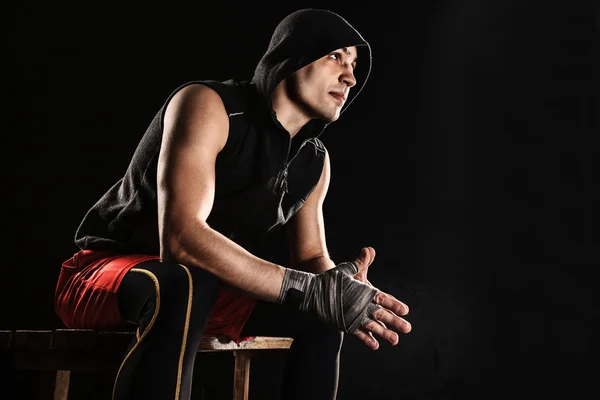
x=321, y=88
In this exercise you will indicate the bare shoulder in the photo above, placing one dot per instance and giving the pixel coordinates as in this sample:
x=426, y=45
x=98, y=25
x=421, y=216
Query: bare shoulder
x=197, y=110
x=198, y=90
x=197, y=97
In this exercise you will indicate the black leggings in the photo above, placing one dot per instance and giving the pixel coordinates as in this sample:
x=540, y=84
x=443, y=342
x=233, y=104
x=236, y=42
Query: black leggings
x=170, y=304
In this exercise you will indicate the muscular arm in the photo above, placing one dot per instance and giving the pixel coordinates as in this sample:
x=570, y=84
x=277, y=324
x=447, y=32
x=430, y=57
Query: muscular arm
x=306, y=230
x=196, y=126
x=195, y=130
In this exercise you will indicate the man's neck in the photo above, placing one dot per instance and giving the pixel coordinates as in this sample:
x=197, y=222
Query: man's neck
x=289, y=115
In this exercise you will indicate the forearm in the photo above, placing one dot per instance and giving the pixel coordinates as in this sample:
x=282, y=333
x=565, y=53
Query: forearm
x=204, y=247
x=315, y=265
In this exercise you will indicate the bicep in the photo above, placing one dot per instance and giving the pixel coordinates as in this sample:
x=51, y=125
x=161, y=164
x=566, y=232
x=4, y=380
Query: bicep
x=195, y=130
x=306, y=229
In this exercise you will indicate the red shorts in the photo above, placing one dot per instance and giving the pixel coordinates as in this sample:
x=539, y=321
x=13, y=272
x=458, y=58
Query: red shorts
x=86, y=295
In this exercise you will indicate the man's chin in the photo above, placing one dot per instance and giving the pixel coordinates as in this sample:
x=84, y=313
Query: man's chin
x=329, y=117
x=332, y=118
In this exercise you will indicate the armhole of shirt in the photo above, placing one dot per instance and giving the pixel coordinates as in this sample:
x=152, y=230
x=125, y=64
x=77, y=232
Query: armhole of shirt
x=232, y=109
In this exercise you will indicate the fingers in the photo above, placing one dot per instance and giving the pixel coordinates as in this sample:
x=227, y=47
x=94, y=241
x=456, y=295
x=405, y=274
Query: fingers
x=365, y=257
x=378, y=329
x=367, y=338
x=374, y=322
x=392, y=320
x=368, y=253
x=376, y=325
x=391, y=303
x=363, y=261
x=385, y=323
x=372, y=251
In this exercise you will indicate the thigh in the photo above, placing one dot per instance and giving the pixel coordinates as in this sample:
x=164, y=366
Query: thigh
x=147, y=282
x=137, y=293
x=85, y=296
x=170, y=284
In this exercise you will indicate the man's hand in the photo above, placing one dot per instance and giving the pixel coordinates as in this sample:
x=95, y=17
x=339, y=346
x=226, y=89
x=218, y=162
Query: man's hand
x=389, y=313
x=366, y=257
x=336, y=297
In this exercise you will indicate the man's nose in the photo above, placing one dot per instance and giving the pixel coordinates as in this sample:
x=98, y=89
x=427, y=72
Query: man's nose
x=347, y=77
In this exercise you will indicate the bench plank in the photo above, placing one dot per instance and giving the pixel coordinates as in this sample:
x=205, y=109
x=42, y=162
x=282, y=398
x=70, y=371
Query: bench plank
x=223, y=343
x=79, y=339
x=32, y=339
x=86, y=350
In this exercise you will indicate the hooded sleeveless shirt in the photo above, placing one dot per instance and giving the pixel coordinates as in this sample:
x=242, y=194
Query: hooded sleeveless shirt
x=262, y=175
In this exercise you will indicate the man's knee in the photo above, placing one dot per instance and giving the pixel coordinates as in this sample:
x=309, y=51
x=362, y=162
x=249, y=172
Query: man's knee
x=174, y=281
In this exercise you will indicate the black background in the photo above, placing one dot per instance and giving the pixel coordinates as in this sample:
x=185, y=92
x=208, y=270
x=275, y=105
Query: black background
x=469, y=162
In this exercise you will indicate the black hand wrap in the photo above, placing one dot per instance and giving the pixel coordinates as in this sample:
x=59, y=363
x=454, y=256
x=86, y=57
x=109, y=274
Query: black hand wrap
x=334, y=296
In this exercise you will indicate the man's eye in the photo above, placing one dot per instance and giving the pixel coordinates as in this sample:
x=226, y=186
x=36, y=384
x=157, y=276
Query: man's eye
x=335, y=56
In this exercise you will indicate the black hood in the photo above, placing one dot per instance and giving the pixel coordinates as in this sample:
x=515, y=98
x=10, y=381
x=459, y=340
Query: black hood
x=305, y=36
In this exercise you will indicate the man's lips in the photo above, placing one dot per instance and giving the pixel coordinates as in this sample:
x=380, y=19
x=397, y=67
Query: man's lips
x=338, y=96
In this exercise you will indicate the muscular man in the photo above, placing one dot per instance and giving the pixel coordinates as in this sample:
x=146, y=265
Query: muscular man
x=171, y=248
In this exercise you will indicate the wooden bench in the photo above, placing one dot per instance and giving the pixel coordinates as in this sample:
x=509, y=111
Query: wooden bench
x=67, y=350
